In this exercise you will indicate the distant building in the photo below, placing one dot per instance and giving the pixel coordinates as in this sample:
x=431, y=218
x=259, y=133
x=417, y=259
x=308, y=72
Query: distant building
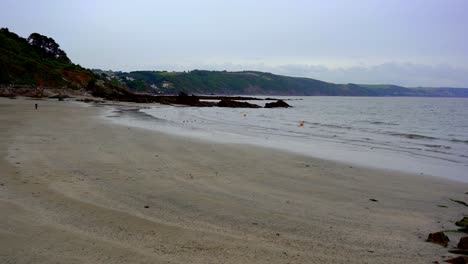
x=166, y=84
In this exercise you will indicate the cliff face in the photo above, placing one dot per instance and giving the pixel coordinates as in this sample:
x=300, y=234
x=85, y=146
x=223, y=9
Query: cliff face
x=38, y=62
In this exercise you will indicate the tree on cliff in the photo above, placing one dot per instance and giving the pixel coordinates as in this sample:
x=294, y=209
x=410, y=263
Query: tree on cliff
x=47, y=47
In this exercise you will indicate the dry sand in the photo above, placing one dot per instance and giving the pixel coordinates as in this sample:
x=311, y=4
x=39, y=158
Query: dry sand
x=73, y=189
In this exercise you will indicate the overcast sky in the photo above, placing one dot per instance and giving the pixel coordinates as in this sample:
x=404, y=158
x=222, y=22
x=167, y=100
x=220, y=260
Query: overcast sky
x=405, y=42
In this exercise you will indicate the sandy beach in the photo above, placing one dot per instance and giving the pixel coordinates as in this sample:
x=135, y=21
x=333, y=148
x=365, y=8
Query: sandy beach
x=77, y=189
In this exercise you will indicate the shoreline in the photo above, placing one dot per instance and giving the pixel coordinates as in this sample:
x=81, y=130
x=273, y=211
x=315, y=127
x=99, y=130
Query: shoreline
x=77, y=189
x=385, y=159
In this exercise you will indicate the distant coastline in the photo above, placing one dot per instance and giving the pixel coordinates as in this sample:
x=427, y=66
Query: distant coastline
x=29, y=66
x=260, y=83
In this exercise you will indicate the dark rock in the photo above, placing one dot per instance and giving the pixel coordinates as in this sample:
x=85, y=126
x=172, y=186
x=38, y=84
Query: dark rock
x=459, y=252
x=438, y=238
x=184, y=99
x=89, y=100
x=458, y=260
x=236, y=104
x=60, y=96
x=463, y=244
x=146, y=206
x=459, y=202
x=115, y=93
x=183, y=94
x=279, y=103
x=463, y=222
x=237, y=98
x=7, y=93
x=373, y=200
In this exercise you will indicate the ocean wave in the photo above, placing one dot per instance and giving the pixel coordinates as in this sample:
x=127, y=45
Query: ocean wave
x=459, y=140
x=332, y=126
x=437, y=146
x=379, y=123
x=411, y=136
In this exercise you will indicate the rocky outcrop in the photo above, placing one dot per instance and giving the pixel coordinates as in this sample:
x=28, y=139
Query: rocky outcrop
x=463, y=222
x=459, y=251
x=6, y=93
x=279, y=103
x=122, y=94
x=90, y=100
x=231, y=103
x=438, y=238
x=111, y=92
x=185, y=99
x=60, y=97
x=458, y=260
x=243, y=98
x=463, y=244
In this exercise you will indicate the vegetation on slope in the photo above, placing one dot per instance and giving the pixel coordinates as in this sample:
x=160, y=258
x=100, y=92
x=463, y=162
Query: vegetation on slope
x=252, y=82
x=38, y=61
x=222, y=82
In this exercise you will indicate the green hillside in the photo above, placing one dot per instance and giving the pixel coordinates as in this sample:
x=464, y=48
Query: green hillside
x=38, y=61
x=258, y=83
x=222, y=82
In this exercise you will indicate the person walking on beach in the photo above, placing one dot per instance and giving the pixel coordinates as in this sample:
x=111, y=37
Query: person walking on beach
x=35, y=105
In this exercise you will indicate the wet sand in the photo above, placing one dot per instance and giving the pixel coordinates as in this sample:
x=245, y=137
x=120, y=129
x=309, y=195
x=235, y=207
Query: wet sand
x=77, y=189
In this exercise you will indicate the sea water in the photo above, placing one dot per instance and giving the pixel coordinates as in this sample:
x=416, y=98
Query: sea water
x=418, y=135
